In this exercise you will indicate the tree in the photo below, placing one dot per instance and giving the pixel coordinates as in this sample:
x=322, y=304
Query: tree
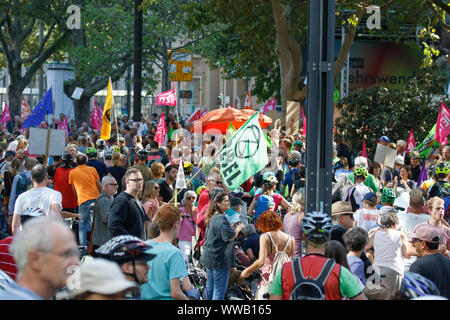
x=273, y=33
x=19, y=44
x=368, y=114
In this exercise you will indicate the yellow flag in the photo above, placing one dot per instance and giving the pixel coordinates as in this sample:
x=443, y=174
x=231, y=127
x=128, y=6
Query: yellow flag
x=106, y=119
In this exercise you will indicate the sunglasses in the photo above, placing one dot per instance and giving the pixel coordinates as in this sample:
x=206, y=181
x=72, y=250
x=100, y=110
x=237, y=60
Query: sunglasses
x=190, y=198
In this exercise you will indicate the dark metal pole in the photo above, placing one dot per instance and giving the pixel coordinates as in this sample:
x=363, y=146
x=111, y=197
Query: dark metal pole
x=319, y=110
x=137, y=101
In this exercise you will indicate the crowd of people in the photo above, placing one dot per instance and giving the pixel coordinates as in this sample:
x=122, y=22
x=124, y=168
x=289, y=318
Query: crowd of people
x=105, y=221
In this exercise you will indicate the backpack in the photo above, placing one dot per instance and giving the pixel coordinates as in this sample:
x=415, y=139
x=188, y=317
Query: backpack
x=280, y=258
x=309, y=288
x=23, y=184
x=355, y=206
x=263, y=203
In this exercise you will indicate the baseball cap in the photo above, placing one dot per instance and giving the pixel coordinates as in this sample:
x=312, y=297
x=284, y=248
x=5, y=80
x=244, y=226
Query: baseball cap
x=371, y=196
x=427, y=233
x=9, y=153
x=385, y=139
x=101, y=276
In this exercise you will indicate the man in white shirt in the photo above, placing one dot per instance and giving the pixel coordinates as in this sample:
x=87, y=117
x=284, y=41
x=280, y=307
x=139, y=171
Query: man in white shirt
x=355, y=194
x=39, y=199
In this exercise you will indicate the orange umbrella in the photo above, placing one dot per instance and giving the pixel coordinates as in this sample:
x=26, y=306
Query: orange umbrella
x=220, y=119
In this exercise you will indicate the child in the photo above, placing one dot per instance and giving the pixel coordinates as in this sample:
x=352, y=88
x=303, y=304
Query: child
x=366, y=217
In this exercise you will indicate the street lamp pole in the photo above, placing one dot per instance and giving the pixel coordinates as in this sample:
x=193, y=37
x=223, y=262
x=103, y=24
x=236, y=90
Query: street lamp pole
x=320, y=108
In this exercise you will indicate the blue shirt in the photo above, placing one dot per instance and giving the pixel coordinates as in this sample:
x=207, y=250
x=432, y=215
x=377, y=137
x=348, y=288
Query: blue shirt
x=17, y=292
x=13, y=196
x=168, y=264
x=288, y=179
x=101, y=168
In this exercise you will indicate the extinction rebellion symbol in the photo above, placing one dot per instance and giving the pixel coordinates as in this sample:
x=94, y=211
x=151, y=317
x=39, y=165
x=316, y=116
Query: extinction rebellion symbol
x=247, y=146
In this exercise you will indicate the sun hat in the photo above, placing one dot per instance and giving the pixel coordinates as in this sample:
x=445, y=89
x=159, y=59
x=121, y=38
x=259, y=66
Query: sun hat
x=100, y=276
x=341, y=207
x=427, y=233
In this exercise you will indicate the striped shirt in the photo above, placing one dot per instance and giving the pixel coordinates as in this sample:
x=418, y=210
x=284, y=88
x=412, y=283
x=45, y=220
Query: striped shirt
x=7, y=263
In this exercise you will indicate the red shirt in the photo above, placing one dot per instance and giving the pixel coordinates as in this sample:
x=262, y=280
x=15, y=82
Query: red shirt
x=62, y=185
x=200, y=221
x=7, y=262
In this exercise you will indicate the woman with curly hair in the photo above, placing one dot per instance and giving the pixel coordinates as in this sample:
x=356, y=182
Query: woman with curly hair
x=218, y=249
x=272, y=240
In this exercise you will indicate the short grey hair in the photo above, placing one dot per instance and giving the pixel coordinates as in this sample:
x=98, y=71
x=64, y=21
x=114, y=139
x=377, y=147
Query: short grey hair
x=34, y=235
x=189, y=193
x=361, y=162
x=107, y=179
x=388, y=218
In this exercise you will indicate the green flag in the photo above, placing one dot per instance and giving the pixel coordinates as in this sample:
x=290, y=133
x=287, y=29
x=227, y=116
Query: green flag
x=428, y=144
x=244, y=154
x=269, y=143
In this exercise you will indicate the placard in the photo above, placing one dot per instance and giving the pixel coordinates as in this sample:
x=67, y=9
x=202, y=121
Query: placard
x=385, y=156
x=77, y=93
x=38, y=139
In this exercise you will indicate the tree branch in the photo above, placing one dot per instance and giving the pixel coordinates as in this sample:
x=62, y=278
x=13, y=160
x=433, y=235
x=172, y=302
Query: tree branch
x=41, y=48
x=27, y=31
x=441, y=4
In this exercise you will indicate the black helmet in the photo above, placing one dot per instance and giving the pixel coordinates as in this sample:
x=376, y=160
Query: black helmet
x=317, y=225
x=143, y=154
x=293, y=162
x=67, y=157
x=125, y=248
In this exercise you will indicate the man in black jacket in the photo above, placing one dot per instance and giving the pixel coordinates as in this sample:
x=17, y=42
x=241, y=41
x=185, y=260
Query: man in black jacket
x=127, y=215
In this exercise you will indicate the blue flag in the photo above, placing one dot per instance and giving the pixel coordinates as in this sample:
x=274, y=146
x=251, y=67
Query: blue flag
x=44, y=107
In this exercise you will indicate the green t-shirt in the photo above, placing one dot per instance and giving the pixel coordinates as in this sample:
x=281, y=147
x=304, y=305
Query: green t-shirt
x=348, y=284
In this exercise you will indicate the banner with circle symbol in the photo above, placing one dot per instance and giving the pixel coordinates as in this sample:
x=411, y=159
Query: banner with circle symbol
x=244, y=154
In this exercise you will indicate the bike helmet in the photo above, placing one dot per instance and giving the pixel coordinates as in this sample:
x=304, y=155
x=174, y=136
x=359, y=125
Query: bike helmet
x=100, y=143
x=441, y=169
x=360, y=171
x=238, y=192
x=91, y=152
x=187, y=166
x=115, y=148
x=430, y=169
x=316, y=226
x=67, y=157
x=339, y=165
x=293, y=162
x=108, y=153
x=148, y=148
x=270, y=180
x=415, y=285
x=388, y=195
x=125, y=248
x=142, y=154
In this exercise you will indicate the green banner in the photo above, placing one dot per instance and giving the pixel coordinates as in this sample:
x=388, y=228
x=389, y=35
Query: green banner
x=428, y=144
x=244, y=154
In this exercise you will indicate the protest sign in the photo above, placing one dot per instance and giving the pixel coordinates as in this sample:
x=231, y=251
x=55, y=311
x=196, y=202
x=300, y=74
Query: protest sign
x=38, y=142
x=385, y=155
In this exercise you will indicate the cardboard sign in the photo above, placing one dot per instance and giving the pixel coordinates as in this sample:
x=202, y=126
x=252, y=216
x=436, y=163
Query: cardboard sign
x=38, y=140
x=385, y=156
x=292, y=117
x=77, y=93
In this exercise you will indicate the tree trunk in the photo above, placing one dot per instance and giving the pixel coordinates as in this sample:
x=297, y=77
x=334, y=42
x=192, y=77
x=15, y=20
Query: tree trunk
x=14, y=100
x=82, y=110
x=289, y=57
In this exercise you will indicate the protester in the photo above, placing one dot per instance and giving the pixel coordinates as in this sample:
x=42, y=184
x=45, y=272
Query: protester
x=44, y=250
x=367, y=216
x=127, y=215
x=187, y=225
x=355, y=241
x=100, y=166
x=117, y=170
x=218, y=249
x=292, y=221
x=150, y=198
x=390, y=246
x=168, y=185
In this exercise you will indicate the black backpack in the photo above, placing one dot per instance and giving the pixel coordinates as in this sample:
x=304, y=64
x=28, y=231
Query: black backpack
x=310, y=288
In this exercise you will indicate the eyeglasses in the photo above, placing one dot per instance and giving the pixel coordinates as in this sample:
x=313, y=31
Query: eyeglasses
x=113, y=184
x=65, y=255
x=157, y=188
x=219, y=182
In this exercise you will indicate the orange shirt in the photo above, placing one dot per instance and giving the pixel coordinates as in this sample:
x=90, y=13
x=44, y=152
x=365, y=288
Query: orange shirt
x=84, y=180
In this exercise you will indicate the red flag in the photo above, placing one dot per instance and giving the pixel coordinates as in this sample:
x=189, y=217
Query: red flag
x=168, y=98
x=195, y=116
x=24, y=110
x=269, y=106
x=96, y=117
x=364, y=150
x=64, y=126
x=411, y=143
x=248, y=101
x=443, y=125
x=6, y=116
x=161, y=131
